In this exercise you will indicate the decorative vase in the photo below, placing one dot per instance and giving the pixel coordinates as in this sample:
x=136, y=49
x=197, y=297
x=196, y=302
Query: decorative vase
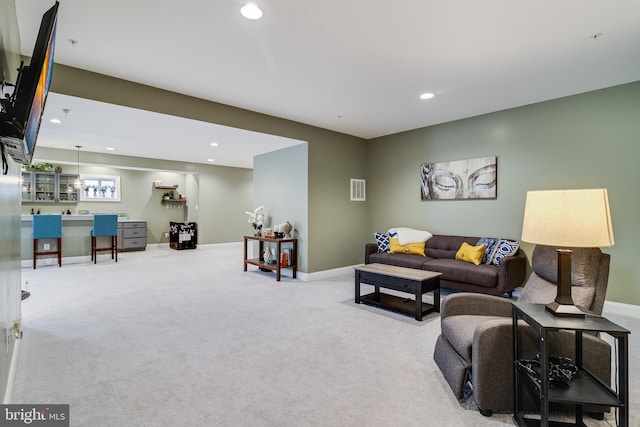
x=257, y=232
x=267, y=255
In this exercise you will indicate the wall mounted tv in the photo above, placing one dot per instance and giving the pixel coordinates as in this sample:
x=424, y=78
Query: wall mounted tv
x=22, y=112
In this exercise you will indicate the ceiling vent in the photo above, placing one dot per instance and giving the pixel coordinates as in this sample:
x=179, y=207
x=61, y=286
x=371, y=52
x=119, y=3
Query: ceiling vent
x=358, y=190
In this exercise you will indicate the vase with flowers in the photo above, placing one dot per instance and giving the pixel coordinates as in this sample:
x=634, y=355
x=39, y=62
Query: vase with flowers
x=256, y=219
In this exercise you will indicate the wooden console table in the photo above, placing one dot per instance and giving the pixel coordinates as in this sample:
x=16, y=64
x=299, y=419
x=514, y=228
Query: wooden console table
x=276, y=266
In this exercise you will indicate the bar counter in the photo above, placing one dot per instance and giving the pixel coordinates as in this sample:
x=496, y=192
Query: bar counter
x=76, y=240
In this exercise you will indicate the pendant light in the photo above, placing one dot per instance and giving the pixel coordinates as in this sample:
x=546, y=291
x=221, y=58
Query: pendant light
x=77, y=183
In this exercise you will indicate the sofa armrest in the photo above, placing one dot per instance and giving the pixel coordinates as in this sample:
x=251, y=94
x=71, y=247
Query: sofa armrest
x=369, y=248
x=492, y=366
x=511, y=272
x=475, y=304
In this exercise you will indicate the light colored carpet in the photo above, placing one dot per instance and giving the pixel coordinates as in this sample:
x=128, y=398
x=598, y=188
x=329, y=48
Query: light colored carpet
x=186, y=338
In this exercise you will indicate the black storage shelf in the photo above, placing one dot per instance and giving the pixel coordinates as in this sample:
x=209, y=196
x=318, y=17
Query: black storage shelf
x=584, y=389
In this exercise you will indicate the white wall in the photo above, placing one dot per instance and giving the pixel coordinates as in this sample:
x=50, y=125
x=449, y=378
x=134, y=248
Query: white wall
x=280, y=183
x=10, y=275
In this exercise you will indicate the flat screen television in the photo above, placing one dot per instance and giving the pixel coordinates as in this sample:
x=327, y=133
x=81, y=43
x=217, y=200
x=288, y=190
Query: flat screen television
x=20, y=121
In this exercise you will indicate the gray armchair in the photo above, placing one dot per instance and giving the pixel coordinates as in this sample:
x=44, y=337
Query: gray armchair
x=476, y=340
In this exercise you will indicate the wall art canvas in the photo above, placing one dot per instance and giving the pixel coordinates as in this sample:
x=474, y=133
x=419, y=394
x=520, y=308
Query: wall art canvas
x=459, y=179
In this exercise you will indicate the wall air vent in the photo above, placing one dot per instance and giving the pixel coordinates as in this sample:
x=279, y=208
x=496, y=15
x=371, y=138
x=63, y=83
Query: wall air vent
x=358, y=190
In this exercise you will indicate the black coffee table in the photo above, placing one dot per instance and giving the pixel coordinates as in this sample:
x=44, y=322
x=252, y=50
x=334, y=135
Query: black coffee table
x=410, y=280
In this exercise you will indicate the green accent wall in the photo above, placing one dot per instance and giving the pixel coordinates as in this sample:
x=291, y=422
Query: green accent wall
x=589, y=140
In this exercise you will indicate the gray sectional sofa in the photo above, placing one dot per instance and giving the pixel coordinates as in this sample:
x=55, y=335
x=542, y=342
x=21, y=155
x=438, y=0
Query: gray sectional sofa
x=440, y=253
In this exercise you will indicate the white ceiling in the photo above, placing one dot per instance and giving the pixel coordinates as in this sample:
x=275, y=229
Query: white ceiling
x=97, y=125
x=353, y=66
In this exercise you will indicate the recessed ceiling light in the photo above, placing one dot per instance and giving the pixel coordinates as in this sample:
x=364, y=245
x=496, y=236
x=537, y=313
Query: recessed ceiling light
x=210, y=160
x=214, y=144
x=110, y=149
x=56, y=121
x=427, y=95
x=251, y=11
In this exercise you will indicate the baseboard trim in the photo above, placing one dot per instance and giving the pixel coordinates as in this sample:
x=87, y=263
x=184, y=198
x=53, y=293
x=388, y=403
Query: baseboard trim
x=11, y=377
x=630, y=310
x=327, y=274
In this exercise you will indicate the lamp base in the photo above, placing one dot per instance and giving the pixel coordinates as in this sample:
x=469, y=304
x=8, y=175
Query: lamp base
x=564, y=310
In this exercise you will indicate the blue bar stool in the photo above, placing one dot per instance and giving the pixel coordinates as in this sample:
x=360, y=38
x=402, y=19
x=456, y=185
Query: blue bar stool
x=104, y=225
x=47, y=227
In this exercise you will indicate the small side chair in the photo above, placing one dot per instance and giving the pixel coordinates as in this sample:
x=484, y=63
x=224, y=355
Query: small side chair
x=104, y=225
x=47, y=227
x=476, y=339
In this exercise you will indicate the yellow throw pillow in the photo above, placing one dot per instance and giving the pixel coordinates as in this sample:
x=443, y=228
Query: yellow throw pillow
x=411, y=248
x=470, y=253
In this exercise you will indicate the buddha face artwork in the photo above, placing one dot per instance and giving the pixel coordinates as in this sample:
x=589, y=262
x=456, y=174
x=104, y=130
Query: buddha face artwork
x=460, y=179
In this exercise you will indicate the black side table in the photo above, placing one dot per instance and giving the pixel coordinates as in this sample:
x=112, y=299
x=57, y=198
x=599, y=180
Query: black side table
x=586, y=388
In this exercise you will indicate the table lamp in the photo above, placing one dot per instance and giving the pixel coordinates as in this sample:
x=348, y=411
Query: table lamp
x=565, y=219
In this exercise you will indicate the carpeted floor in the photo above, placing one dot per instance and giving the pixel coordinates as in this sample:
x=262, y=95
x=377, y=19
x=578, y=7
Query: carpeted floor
x=186, y=338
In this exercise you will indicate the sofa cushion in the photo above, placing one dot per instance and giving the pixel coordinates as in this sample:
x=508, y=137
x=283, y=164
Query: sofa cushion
x=409, y=249
x=503, y=249
x=460, y=271
x=489, y=247
x=382, y=240
x=440, y=246
x=472, y=254
x=459, y=332
x=409, y=261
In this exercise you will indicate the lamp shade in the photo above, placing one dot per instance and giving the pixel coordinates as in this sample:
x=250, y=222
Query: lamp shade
x=568, y=218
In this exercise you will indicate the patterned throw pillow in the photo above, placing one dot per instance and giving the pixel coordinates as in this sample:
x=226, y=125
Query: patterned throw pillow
x=505, y=248
x=489, y=247
x=382, y=240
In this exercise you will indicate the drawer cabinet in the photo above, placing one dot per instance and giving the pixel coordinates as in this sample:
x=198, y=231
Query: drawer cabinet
x=132, y=236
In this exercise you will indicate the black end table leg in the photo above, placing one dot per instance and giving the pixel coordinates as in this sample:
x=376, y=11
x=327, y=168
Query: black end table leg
x=357, y=287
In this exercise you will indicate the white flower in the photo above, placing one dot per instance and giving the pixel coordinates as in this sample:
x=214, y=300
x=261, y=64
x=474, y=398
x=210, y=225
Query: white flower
x=256, y=218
